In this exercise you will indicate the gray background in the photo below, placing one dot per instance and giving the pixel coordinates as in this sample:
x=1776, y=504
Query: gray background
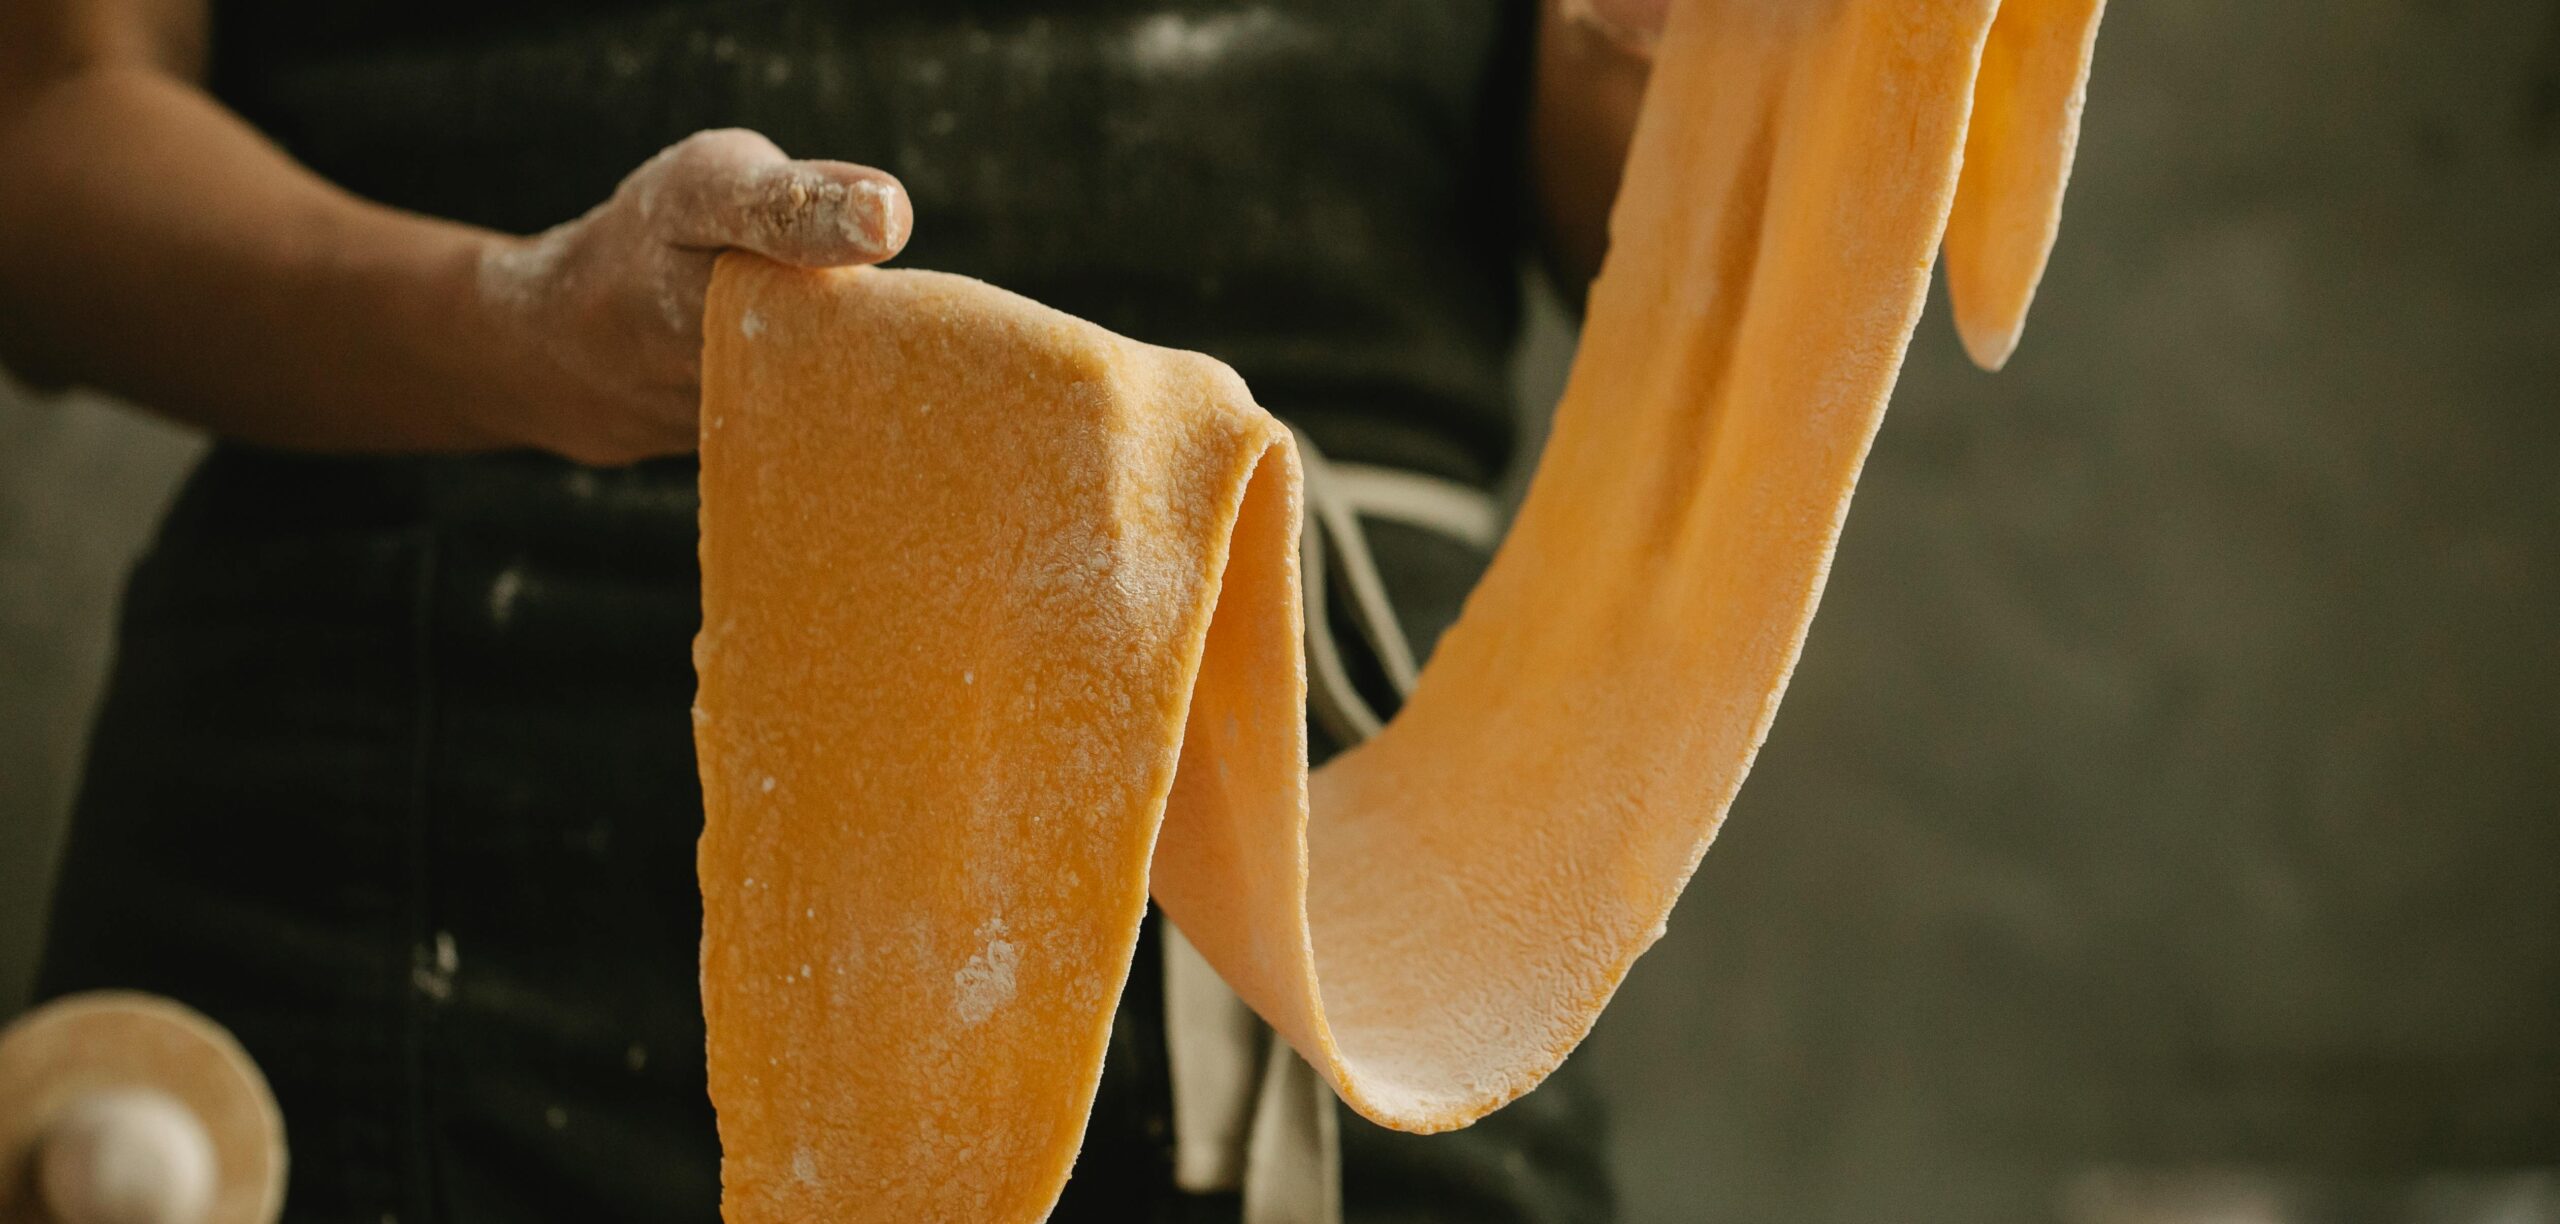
x=2162, y=823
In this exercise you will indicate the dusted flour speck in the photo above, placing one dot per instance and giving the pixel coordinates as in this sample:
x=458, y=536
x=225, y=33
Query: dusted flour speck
x=986, y=982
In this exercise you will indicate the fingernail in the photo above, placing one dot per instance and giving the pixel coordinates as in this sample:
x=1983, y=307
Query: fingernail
x=883, y=224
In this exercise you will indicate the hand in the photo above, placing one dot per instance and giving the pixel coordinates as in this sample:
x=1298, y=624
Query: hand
x=602, y=316
x=1634, y=25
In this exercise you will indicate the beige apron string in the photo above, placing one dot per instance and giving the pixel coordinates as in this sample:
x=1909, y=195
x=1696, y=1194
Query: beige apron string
x=1460, y=512
x=1293, y=1159
x=1328, y=505
x=1215, y=1047
x=1248, y=1113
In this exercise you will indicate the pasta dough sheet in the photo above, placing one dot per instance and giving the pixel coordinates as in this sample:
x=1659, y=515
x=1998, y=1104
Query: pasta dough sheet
x=1001, y=631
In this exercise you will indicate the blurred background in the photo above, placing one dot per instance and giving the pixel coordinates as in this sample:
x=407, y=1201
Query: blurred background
x=2164, y=824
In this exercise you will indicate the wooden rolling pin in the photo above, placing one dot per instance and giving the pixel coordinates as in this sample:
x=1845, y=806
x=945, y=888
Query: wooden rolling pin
x=121, y=1108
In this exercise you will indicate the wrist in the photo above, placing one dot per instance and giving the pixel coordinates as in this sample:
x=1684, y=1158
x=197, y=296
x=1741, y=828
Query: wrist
x=388, y=295
x=483, y=295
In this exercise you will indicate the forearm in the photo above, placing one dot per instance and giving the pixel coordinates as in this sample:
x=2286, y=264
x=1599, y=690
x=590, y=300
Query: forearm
x=1592, y=64
x=153, y=244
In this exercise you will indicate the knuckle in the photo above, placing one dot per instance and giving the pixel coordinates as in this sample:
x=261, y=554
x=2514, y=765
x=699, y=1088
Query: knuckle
x=723, y=148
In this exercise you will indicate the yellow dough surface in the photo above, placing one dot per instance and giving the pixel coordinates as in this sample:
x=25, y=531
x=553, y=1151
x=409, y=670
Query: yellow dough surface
x=1001, y=632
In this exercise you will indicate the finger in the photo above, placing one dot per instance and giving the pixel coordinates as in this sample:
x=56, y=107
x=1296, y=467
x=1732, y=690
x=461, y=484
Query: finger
x=820, y=214
x=736, y=190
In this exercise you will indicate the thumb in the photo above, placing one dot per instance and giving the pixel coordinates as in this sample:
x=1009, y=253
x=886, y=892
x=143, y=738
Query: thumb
x=735, y=189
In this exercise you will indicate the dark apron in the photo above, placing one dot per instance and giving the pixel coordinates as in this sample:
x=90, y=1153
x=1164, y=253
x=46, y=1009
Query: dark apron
x=395, y=778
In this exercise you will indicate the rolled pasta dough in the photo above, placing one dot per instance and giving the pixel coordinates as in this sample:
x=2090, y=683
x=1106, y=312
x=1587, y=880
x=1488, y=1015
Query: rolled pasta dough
x=1001, y=631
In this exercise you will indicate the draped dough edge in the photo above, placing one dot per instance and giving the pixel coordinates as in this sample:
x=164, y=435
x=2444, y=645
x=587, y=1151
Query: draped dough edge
x=2017, y=161
x=1481, y=877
